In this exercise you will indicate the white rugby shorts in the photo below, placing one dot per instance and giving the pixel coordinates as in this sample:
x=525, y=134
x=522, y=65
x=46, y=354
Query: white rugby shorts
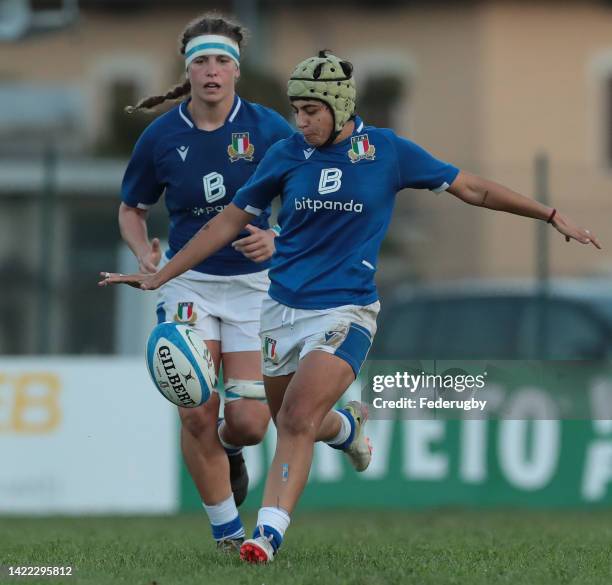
x=222, y=308
x=288, y=334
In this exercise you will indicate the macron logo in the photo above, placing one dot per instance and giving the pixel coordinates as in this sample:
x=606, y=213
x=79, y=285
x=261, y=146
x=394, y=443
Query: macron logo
x=330, y=334
x=308, y=153
x=183, y=150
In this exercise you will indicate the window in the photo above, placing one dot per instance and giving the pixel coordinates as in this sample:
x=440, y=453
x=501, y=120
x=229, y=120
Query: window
x=608, y=121
x=18, y=17
x=28, y=128
x=118, y=80
x=479, y=328
x=600, y=109
x=563, y=330
x=380, y=99
x=385, y=79
x=403, y=334
x=121, y=130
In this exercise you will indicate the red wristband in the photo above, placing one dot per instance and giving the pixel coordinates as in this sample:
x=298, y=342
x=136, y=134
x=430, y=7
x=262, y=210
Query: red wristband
x=552, y=215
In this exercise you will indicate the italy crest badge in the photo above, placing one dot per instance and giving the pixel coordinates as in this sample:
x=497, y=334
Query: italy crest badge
x=240, y=147
x=185, y=313
x=361, y=148
x=269, y=350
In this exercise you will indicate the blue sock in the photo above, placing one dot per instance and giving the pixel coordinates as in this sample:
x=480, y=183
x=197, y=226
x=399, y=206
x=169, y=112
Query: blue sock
x=271, y=534
x=344, y=444
x=233, y=529
x=273, y=523
x=224, y=520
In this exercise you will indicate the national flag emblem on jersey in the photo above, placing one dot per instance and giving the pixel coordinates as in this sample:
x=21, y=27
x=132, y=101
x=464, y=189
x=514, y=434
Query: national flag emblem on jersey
x=185, y=313
x=361, y=148
x=269, y=349
x=240, y=147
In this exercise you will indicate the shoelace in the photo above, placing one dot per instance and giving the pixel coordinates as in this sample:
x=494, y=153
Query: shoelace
x=262, y=535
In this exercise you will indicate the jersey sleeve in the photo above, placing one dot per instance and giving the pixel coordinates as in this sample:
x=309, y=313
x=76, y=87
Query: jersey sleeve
x=418, y=169
x=264, y=184
x=140, y=187
x=280, y=128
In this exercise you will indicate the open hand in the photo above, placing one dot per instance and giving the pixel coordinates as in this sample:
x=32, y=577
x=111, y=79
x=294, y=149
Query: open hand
x=141, y=281
x=571, y=232
x=258, y=246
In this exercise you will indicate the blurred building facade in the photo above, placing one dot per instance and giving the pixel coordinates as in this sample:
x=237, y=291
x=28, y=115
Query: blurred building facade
x=488, y=86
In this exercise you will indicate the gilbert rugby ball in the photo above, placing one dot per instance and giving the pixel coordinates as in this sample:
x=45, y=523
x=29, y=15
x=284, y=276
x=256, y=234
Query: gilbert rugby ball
x=180, y=365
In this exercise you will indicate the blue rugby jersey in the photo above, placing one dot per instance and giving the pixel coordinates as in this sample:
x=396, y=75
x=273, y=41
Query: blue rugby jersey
x=337, y=202
x=200, y=171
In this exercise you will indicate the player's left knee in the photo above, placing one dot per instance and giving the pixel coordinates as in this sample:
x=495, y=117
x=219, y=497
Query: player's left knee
x=296, y=420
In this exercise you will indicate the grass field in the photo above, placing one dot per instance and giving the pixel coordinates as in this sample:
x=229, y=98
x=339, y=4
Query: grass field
x=332, y=548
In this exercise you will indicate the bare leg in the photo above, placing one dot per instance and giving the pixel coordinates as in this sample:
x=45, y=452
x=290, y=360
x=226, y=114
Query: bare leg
x=204, y=456
x=275, y=392
x=300, y=405
x=276, y=386
x=320, y=380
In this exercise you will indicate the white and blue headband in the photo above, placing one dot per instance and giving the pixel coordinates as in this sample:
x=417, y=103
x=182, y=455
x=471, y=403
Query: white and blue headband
x=211, y=45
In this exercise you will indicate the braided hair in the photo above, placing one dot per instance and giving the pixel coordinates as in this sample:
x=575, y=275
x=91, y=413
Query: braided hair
x=208, y=23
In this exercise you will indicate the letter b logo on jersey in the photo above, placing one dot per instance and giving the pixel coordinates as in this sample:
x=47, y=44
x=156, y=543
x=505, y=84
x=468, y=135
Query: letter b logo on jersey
x=214, y=189
x=330, y=181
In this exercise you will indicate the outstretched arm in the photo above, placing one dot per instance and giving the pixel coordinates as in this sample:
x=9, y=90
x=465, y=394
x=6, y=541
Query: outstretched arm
x=481, y=192
x=218, y=232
